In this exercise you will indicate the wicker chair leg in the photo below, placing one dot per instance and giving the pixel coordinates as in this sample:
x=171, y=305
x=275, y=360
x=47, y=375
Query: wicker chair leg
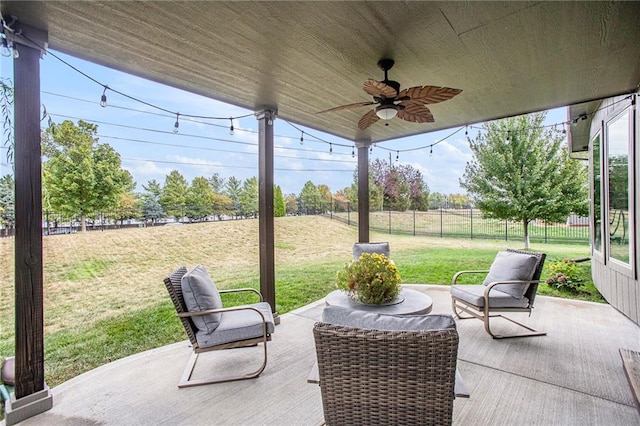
x=186, y=376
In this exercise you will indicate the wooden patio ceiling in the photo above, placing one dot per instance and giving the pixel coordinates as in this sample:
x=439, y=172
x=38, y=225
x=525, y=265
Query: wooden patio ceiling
x=299, y=58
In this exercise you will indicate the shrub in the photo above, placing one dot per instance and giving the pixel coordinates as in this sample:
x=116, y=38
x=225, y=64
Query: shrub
x=565, y=275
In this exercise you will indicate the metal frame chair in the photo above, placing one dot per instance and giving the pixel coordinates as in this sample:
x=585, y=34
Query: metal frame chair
x=484, y=312
x=173, y=285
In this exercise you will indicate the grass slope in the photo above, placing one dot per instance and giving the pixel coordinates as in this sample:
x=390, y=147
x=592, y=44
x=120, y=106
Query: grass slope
x=104, y=296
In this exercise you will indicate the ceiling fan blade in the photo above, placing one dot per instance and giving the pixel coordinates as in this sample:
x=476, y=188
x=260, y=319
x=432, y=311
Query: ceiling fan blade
x=415, y=113
x=429, y=94
x=349, y=106
x=379, y=89
x=368, y=119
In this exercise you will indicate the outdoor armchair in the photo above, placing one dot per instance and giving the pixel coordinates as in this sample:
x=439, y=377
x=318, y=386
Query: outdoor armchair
x=510, y=286
x=385, y=369
x=211, y=327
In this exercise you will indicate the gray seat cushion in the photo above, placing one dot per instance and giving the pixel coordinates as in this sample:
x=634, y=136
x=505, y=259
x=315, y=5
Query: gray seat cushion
x=510, y=266
x=372, y=321
x=380, y=248
x=238, y=325
x=474, y=294
x=200, y=294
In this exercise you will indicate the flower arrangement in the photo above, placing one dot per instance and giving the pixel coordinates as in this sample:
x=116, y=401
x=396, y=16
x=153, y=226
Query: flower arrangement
x=371, y=279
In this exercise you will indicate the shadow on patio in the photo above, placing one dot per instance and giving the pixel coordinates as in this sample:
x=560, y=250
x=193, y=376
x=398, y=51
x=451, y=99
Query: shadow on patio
x=573, y=375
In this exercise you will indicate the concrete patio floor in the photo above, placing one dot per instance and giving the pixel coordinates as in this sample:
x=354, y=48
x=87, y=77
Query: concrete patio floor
x=572, y=376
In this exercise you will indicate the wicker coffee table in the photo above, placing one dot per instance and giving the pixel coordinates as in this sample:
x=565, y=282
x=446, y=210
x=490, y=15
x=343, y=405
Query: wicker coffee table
x=409, y=302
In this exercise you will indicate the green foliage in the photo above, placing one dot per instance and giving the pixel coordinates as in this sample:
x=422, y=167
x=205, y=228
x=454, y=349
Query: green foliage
x=199, y=199
x=249, y=197
x=233, y=190
x=174, y=194
x=371, y=279
x=310, y=196
x=7, y=201
x=565, y=275
x=81, y=176
x=521, y=172
x=291, y=203
x=6, y=105
x=279, y=207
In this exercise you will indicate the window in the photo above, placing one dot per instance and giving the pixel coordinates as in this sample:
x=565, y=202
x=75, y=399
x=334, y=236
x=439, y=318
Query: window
x=596, y=195
x=619, y=196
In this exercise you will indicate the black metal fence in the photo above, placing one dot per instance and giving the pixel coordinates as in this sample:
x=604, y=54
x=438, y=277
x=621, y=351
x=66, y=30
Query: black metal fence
x=450, y=223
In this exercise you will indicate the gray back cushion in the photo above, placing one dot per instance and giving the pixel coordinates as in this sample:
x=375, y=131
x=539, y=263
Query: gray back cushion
x=510, y=266
x=380, y=248
x=201, y=294
x=371, y=321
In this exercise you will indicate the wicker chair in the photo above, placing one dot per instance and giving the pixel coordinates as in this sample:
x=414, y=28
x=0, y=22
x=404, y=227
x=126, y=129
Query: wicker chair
x=502, y=291
x=379, y=377
x=249, y=325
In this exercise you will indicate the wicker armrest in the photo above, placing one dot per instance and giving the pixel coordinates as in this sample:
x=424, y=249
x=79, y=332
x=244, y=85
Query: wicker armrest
x=455, y=277
x=245, y=289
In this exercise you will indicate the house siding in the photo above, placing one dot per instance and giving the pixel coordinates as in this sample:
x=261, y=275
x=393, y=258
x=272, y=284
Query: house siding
x=618, y=283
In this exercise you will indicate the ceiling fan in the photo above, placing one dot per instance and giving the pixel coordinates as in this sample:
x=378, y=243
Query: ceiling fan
x=407, y=104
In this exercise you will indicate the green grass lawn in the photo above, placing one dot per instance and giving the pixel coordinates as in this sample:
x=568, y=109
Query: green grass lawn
x=104, y=296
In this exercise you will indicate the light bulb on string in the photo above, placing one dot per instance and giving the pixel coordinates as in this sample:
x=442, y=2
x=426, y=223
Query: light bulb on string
x=302, y=138
x=175, y=126
x=371, y=149
x=231, y=132
x=330, y=149
x=353, y=152
x=103, y=98
x=397, y=155
x=508, y=135
x=430, y=149
x=564, y=128
x=466, y=131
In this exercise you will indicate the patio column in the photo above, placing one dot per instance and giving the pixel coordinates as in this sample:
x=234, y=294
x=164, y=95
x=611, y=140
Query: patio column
x=31, y=396
x=265, y=207
x=363, y=192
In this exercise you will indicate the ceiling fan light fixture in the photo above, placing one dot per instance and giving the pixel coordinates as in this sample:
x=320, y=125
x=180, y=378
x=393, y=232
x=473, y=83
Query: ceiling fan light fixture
x=386, y=112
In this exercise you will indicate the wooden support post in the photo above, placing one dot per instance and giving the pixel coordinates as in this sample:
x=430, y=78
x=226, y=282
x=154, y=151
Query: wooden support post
x=363, y=193
x=265, y=206
x=31, y=394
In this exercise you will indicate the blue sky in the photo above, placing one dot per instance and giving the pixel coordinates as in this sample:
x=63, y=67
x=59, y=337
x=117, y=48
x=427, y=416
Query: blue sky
x=150, y=149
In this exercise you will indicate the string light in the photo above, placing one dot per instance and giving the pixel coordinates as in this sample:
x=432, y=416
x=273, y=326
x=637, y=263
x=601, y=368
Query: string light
x=564, y=128
x=466, y=131
x=301, y=138
x=353, y=152
x=231, y=132
x=175, y=126
x=103, y=98
x=370, y=149
x=397, y=155
x=508, y=135
x=431, y=150
x=330, y=149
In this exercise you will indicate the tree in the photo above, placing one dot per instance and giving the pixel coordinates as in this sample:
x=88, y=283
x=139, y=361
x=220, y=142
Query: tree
x=7, y=201
x=279, y=207
x=81, y=176
x=309, y=196
x=151, y=208
x=249, y=197
x=199, y=199
x=521, y=172
x=326, y=197
x=223, y=205
x=217, y=183
x=233, y=190
x=291, y=202
x=174, y=194
x=402, y=186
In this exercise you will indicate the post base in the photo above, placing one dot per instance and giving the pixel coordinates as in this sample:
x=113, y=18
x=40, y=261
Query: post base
x=17, y=410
